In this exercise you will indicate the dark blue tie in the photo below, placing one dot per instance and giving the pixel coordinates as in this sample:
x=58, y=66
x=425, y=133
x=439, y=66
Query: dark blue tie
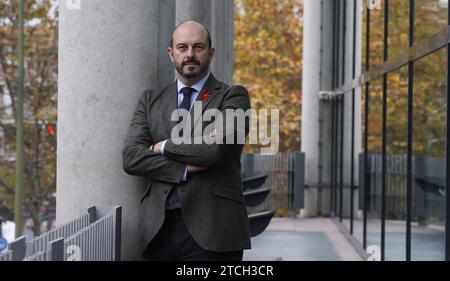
x=173, y=201
x=187, y=93
x=186, y=102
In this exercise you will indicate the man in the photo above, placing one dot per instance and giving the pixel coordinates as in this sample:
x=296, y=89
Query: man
x=193, y=207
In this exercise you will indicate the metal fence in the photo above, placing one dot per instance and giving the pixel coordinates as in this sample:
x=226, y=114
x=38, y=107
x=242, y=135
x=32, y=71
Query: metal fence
x=428, y=201
x=285, y=179
x=95, y=236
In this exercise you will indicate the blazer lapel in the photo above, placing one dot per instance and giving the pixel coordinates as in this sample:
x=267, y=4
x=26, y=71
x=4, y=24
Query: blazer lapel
x=169, y=103
x=213, y=87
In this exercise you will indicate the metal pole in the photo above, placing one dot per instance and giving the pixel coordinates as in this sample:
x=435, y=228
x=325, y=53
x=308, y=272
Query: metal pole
x=383, y=165
x=366, y=133
x=19, y=130
x=447, y=157
x=353, y=118
x=409, y=182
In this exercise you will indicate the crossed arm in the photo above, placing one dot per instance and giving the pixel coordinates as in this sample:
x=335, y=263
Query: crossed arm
x=140, y=160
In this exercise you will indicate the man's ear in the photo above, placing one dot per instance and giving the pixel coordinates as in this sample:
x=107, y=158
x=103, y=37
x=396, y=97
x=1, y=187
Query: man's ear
x=211, y=53
x=170, y=53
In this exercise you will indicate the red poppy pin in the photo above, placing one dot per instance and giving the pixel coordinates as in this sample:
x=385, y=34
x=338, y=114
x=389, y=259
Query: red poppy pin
x=205, y=95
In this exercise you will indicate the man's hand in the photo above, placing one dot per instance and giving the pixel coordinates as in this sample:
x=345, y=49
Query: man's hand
x=156, y=147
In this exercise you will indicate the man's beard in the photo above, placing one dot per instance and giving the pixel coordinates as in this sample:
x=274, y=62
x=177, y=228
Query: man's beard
x=191, y=75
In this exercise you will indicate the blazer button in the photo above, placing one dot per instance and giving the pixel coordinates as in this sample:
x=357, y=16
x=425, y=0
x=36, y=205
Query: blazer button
x=166, y=191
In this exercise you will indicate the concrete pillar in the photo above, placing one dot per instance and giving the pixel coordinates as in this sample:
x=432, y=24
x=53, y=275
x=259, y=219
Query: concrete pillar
x=222, y=32
x=316, y=113
x=109, y=53
x=198, y=10
x=217, y=17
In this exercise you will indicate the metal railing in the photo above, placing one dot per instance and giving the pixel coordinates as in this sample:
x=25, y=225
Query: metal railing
x=428, y=186
x=285, y=178
x=95, y=236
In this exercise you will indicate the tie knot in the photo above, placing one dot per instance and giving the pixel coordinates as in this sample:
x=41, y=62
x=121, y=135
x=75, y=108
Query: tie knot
x=188, y=91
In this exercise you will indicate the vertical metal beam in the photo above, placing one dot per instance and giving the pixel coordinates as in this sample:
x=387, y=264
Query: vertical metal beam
x=352, y=152
x=344, y=29
x=335, y=164
x=338, y=29
x=20, y=155
x=332, y=187
x=341, y=160
x=410, y=136
x=447, y=157
x=366, y=130
x=383, y=155
x=333, y=83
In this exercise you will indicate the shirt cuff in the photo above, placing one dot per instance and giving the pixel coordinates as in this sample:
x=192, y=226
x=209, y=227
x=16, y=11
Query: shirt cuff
x=161, y=149
x=184, y=176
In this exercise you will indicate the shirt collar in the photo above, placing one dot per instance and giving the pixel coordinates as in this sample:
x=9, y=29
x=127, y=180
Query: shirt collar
x=197, y=86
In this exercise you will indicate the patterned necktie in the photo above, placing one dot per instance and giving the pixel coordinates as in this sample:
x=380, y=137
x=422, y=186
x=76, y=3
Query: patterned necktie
x=187, y=93
x=186, y=103
x=173, y=201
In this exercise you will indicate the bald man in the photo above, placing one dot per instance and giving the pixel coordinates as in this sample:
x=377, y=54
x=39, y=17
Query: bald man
x=192, y=208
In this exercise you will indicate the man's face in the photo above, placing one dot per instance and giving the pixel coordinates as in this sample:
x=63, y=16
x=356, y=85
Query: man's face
x=190, y=52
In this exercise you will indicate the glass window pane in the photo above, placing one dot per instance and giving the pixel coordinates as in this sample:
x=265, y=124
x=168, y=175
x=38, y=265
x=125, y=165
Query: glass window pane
x=347, y=142
x=398, y=27
x=339, y=142
x=430, y=17
x=374, y=162
x=396, y=153
x=376, y=35
x=360, y=124
x=428, y=213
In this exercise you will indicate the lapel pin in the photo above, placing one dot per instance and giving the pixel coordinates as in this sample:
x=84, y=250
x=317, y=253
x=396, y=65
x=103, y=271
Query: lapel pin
x=205, y=95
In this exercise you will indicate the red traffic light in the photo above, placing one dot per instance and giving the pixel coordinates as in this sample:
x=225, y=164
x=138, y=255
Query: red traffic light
x=51, y=129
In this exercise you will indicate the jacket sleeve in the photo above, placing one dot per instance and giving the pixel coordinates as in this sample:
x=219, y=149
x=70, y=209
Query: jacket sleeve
x=138, y=159
x=200, y=153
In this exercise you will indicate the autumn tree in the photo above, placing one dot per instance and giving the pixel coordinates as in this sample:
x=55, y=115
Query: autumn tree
x=429, y=99
x=268, y=61
x=40, y=102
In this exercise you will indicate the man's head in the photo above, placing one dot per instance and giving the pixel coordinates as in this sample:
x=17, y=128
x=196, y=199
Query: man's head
x=191, y=51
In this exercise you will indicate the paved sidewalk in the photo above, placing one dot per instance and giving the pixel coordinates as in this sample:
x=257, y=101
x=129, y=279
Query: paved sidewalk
x=305, y=239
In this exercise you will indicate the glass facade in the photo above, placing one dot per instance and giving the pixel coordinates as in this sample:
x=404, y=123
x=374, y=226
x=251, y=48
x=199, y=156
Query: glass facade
x=388, y=183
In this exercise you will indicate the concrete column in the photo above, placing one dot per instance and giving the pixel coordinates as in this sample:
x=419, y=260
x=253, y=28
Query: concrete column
x=316, y=117
x=217, y=17
x=198, y=10
x=109, y=53
x=222, y=32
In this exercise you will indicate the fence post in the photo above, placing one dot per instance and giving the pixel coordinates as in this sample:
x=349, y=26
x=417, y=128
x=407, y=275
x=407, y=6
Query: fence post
x=299, y=180
x=361, y=181
x=117, y=232
x=92, y=214
x=56, y=250
x=18, y=248
x=248, y=166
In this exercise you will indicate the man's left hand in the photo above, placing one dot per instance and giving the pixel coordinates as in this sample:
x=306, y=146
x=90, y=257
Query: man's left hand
x=157, y=147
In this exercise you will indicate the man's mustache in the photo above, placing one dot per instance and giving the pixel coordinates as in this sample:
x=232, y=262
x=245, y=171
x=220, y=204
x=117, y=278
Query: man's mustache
x=192, y=61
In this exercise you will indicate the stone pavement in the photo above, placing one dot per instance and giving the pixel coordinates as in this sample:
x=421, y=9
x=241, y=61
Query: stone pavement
x=304, y=239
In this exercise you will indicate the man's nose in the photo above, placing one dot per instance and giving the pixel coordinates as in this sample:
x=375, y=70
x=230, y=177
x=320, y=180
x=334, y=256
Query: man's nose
x=190, y=52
